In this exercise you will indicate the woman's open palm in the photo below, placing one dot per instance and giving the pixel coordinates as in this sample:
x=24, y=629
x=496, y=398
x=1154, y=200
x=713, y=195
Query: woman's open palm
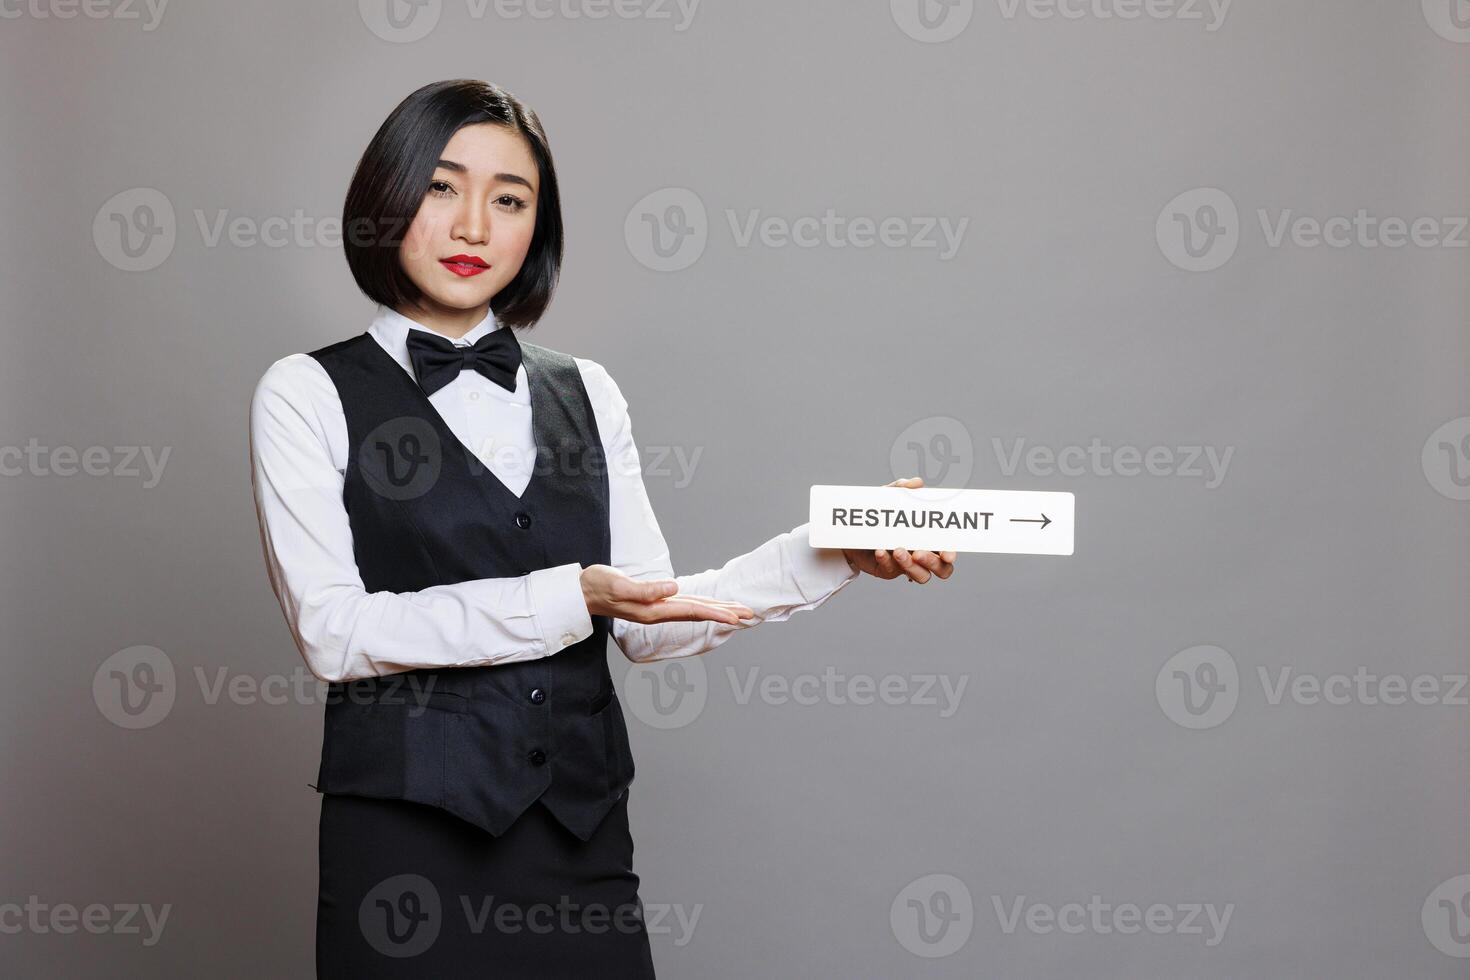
x=609, y=592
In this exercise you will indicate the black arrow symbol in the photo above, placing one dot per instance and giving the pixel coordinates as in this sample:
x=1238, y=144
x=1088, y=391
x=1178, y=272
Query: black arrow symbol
x=1043, y=521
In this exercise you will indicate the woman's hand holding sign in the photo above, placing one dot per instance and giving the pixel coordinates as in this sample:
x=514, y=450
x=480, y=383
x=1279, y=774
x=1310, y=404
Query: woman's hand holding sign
x=919, y=566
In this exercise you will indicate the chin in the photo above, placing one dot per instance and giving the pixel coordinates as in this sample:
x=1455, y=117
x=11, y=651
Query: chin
x=459, y=300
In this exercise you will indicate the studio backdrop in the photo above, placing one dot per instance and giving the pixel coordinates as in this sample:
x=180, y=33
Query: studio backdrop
x=1201, y=263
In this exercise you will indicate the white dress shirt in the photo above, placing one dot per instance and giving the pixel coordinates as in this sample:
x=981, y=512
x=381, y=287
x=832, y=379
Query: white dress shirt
x=298, y=449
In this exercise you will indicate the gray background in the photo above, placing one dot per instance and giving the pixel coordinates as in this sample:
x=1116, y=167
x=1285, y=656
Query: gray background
x=1334, y=543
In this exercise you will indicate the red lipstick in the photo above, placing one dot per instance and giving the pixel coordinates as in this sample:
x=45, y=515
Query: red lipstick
x=465, y=265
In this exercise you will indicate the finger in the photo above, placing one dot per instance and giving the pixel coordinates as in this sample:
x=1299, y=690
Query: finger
x=911, y=568
x=928, y=559
x=681, y=610
x=635, y=590
x=935, y=562
x=887, y=567
x=738, y=608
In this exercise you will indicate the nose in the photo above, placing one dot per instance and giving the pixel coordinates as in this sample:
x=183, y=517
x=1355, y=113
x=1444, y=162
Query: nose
x=471, y=224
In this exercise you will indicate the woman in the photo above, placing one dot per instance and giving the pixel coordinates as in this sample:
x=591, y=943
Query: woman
x=435, y=493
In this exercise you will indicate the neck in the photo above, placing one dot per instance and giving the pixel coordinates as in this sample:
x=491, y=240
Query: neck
x=446, y=320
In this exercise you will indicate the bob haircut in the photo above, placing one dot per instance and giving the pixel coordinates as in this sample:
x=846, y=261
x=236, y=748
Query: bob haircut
x=393, y=175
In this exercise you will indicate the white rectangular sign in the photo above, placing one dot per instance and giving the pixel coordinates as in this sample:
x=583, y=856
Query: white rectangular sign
x=1017, y=522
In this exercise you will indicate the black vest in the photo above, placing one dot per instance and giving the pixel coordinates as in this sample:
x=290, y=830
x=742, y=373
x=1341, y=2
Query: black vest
x=483, y=743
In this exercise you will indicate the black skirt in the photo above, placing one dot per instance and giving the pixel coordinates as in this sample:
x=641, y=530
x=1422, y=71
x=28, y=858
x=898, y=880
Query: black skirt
x=408, y=890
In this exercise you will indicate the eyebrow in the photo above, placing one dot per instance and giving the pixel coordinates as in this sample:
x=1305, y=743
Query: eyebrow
x=460, y=168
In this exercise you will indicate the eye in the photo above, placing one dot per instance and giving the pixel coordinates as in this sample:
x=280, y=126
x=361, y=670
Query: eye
x=440, y=188
x=511, y=203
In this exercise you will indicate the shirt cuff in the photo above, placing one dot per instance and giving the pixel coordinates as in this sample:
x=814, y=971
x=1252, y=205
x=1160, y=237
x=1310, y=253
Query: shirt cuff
x=560, y=609
x=817, y=572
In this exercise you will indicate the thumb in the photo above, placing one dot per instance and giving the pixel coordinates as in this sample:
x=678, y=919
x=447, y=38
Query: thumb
x=651, y=591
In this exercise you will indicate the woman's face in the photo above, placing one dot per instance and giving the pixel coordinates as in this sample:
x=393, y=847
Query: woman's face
x=480, y=205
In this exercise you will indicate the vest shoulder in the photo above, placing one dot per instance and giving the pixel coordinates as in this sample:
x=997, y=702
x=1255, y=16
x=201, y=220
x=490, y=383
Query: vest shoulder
x=340, y=347
x=545, y=353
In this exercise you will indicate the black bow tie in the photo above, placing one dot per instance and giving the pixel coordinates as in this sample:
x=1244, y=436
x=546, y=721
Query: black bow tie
x=437, y=361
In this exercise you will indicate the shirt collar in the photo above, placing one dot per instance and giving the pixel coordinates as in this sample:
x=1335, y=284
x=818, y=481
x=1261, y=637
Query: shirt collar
x=390, y=328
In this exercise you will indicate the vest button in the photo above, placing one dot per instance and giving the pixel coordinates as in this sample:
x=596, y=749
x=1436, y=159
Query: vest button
x=523, y=520
x=537, y=696
x=537, y=757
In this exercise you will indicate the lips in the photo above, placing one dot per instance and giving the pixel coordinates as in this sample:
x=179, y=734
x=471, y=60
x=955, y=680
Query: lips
x=465, y=265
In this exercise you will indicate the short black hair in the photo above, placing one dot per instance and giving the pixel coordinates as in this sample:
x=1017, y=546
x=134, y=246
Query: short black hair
x=389, y=184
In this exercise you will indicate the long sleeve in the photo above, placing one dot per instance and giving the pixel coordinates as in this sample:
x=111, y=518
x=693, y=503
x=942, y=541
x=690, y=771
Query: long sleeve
x=781, y=577
x=343, y=631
